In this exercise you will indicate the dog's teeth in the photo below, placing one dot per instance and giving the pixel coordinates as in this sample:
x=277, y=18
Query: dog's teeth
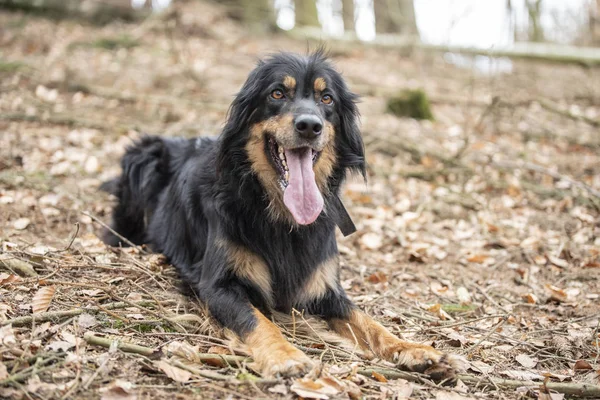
x=286, y=175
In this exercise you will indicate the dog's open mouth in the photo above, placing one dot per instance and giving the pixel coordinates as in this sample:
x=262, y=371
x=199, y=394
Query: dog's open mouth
x=297, y=179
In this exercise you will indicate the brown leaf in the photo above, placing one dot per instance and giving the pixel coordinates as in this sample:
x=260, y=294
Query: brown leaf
x=477, y=258
x=8, y=278
x=177, y=374
x=582, y=365
x=378, y=377
x=557, y=293
x=41, y=300
x=377, y=277
x=530, y=298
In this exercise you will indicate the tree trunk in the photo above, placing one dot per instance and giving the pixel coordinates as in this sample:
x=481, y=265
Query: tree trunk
x=395, y=16
x=534, y=10
x=348, y=15
x=258, y=15
x=306, y=13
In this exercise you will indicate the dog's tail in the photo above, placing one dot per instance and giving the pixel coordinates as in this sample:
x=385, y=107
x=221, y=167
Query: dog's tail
x=145, y=173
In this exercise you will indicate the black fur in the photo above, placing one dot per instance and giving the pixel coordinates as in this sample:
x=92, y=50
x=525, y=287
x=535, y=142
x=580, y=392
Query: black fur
x=181, y=196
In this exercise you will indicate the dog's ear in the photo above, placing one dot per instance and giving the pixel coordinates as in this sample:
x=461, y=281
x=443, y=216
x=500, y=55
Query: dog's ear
x=238, y=119
x=352, y=148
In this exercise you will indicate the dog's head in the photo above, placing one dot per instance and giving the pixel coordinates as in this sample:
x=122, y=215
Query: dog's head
x=297, y=123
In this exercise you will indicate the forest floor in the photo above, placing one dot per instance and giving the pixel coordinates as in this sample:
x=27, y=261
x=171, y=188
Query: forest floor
x=478, y=233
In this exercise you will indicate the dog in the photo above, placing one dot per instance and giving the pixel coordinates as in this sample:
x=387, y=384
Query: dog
x=249, y=218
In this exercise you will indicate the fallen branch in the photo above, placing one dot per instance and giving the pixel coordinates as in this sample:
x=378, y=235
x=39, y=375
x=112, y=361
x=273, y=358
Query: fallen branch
x=58, y=315
x=207, y=358
x=531, y=51
x=577, y=389
x=123, y=346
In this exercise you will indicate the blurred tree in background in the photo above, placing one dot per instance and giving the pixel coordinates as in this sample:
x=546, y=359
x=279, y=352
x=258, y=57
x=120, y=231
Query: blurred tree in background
x=395, y=16
x=306, y=13
x=258, y=15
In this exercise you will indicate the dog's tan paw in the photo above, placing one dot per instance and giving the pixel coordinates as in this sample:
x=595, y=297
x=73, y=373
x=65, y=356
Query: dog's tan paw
x=288, y=362
x=425, y=359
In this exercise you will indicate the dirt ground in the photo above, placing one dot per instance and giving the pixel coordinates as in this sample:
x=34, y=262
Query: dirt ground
x=478, y=233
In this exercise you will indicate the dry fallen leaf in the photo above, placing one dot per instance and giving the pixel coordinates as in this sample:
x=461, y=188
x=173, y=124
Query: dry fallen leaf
x=8, y=278
x=371, y=241
x=559, y=262
x=556, y=293
x=378, y=377
x=41, y=300
x=21, y=223
x=530, y=298
x=477, y=258
x=378, y=277
x=184, y=350
x=522, y=375
x=582, y=365
x=463, y=295
x=526, y=361
x=177, y=374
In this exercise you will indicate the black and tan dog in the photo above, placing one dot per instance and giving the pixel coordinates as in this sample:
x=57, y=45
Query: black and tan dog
x=249, y=218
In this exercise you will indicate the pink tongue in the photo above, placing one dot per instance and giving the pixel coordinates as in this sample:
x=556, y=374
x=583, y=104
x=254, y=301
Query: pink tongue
x=302, y=197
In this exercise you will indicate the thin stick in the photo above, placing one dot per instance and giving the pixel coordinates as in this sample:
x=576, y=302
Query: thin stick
x=123, y=346
x=57, y=315
x=207, y=358
x=123, y=238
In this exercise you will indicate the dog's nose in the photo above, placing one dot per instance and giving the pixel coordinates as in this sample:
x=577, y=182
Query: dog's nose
x=308, y=126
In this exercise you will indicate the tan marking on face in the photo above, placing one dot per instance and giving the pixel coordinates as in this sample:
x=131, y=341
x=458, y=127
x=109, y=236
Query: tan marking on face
x=375, y=339
x=271, y=352
x=320, y=85
x=325, y=163
x=323, y=278
x=281, y=128
x=290, y=83
x=245, y=264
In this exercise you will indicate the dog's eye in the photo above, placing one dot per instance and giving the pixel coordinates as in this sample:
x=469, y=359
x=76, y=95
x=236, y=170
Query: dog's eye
x=277, y=94
x=327, y=99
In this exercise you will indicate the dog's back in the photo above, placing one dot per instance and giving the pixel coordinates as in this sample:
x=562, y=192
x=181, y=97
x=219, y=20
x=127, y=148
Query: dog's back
x=147, y=169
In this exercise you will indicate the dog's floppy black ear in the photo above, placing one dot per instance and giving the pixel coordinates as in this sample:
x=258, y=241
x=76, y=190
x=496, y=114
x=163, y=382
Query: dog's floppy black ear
x=352, y=148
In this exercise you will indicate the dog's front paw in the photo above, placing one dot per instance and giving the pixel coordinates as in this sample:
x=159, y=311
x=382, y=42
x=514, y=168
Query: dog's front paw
x=287, y=361
x=425, y=359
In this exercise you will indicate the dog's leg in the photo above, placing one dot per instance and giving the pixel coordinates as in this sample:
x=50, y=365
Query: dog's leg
x=233, y=282
x=271, y=352
x=374, y=338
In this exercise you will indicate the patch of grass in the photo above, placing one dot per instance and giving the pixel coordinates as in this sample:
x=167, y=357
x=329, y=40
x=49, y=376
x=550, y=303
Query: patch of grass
x=143, y=328
x=410, y=103
x=458, y=308
x=39, y=180
x=11, y=66
x=110, y=43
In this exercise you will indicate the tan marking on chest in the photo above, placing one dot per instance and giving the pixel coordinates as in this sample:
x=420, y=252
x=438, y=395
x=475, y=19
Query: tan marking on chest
x=248, y=265
x=323, y=278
